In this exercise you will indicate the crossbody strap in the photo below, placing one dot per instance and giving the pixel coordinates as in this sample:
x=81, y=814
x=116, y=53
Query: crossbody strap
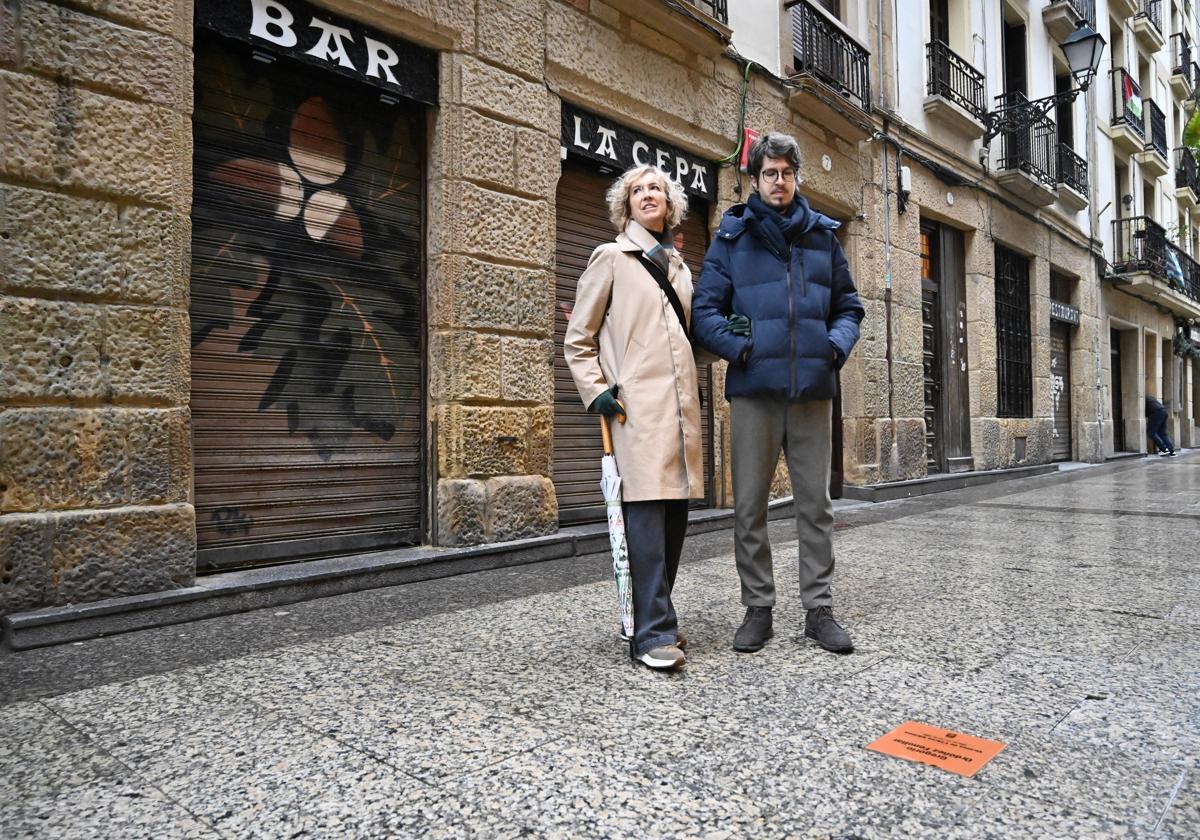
x=660, y=277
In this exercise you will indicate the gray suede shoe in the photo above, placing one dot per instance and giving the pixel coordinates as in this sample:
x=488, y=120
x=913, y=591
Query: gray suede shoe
x=823, y=628
x=755, y=630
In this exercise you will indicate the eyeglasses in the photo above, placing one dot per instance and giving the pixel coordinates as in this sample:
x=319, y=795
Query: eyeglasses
x=773, y=175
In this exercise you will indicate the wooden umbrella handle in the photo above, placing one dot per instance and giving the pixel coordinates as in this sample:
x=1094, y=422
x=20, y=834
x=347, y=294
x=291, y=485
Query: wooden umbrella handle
x=605, y=434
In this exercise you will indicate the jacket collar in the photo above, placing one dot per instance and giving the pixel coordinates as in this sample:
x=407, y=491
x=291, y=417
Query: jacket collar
x=636, y=238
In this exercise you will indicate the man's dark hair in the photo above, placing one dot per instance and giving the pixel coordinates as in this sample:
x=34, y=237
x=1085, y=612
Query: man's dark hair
x=775, y=145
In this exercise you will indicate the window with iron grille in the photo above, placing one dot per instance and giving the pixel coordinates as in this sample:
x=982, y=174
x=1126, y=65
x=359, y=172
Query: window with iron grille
x=1014, y=351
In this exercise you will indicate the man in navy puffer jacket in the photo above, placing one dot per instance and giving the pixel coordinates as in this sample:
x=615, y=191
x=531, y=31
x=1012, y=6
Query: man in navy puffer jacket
x=776, y=300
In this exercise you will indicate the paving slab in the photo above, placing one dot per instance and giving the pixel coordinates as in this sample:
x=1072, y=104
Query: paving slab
x=1057, y=616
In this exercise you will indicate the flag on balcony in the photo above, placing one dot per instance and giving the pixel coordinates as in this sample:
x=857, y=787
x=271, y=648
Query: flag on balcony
x=1132, y=101
x=1174, y=269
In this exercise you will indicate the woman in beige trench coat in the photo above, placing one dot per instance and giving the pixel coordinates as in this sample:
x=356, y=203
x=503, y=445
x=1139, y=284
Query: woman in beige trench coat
x=632, y=360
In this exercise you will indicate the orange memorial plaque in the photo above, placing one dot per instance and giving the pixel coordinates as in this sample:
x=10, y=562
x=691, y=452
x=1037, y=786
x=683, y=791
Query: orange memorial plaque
x=947, y=750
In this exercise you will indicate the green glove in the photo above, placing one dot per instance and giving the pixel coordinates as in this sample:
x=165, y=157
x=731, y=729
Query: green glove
x=607, y=404
x=738, y=325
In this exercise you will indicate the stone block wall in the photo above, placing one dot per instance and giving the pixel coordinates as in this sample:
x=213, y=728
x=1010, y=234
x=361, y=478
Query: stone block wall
x=95, y=189
x=492, y=174
x=95, y=194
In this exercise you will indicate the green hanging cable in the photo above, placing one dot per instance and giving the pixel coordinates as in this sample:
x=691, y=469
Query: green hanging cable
x=730, y=158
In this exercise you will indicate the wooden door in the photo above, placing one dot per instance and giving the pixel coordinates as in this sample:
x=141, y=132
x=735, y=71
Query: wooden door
x=952, y=312
x=931, y=349
x=1118, y=412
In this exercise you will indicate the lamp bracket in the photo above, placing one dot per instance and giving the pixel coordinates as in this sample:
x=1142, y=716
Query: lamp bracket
x=1023, y=113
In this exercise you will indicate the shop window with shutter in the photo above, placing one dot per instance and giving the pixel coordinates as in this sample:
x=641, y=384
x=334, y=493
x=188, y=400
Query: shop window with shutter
x=306, y=313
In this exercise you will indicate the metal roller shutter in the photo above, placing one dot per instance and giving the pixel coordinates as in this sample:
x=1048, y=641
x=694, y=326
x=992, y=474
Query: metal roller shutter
x=1060, y=389
x=307, y=343
x=582, y=218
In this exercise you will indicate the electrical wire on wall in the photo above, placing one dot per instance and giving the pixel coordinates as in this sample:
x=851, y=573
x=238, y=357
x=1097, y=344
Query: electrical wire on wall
x=736, y=154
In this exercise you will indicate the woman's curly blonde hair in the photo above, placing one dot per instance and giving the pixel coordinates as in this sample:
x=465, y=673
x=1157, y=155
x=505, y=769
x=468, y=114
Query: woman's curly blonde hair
x=618, y=197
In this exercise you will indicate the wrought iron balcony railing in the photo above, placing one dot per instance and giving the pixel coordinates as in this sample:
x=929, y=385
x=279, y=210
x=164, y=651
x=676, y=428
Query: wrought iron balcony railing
x=1072, y=169
x=1139, y=244
x=1033, y=149
x=1152, y=11
x=826, y=52
x=1158, y=129
x=1086, y=9
x=952, y=77
x=1181, y=56
x=1189, y=283
x=1187, y=172
x=1127, y=102
x=718, y=9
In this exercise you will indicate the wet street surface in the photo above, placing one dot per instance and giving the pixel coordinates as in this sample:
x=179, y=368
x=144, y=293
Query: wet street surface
x=1059, y=615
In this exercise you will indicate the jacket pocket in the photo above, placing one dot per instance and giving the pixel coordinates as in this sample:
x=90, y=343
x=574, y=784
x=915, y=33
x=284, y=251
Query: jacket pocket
x=635, y=351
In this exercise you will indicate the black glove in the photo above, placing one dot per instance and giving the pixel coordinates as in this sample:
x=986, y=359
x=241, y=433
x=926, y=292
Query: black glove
x=834, y=355
x=738, y=325
x=607, y=404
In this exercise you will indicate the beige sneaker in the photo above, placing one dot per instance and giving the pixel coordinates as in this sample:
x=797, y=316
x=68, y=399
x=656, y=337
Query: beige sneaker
x=662, y=658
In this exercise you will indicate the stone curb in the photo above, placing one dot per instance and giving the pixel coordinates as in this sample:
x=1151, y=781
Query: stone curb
x=234, y=592
x=893, y=490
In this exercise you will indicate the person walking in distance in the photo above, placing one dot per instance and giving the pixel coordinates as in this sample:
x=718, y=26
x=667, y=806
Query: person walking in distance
x=1156, y=426
x=776, y=300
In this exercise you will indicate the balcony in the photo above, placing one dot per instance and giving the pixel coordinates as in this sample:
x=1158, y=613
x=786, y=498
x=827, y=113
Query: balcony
x=955, y=91
x=1153, y=269
x=700, y=26
x=1189, y=284
x=1147, y=26
x=1187, y=179
x=833, y=70
x=1153, y=158
x=1122, y=9
x=1182, y=79
x=1072, y=178
x=1061, y=17
x=1029, y=156
x=715, y=9
x=1127, y=129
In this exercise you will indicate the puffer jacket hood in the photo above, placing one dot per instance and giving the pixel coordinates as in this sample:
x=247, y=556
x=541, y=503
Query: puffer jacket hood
x=793, y=282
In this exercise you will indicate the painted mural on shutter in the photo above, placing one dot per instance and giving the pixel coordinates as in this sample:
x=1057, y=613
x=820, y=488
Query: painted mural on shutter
x=306, y=313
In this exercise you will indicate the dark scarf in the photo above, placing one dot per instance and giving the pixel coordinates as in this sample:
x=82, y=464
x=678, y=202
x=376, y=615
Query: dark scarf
x=780, y=228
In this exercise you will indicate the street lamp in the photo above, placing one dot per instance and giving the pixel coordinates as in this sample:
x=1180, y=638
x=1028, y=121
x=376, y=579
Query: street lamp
x=1083, y=49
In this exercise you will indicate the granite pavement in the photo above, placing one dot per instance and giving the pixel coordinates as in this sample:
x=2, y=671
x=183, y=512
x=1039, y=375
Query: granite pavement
x=1056, y=614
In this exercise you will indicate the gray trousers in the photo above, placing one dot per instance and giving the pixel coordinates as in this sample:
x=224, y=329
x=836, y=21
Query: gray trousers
x=760, y=428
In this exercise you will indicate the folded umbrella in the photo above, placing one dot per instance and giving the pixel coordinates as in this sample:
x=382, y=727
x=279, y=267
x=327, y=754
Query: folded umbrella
x=610, y=486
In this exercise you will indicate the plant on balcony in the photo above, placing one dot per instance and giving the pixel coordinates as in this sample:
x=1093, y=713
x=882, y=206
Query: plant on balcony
x=1191, y=129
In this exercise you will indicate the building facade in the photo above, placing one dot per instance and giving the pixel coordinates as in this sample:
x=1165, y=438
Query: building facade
x=287, y=279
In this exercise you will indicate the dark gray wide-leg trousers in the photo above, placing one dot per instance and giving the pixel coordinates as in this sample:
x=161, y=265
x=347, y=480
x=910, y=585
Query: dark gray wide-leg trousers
x=654, y=533
x=760, y=428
